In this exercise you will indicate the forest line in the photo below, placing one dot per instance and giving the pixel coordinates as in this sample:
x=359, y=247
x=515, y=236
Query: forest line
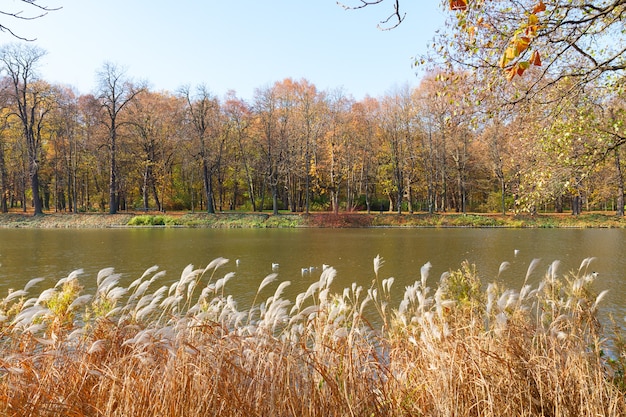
x=445, y=145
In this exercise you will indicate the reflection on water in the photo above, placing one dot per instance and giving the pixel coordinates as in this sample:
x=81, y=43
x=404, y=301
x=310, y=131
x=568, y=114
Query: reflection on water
x=52, y=254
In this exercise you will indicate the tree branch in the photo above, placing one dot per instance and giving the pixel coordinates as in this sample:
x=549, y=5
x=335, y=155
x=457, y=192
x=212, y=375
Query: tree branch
x=393, y=20
x=19, y=15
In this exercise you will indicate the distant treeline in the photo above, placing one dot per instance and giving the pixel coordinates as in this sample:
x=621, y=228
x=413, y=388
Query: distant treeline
x=437, y=147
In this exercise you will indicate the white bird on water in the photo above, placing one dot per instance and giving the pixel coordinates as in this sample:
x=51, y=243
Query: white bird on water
x=515, y=252
x=274, y=266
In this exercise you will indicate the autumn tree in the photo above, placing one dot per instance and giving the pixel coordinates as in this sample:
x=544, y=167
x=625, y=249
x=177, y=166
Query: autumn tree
x=309, y=104
x=152, y=120
x=588, y=134
x=4, y=113
x=333, y=166
x=238, y=122
x=362, y=119
x=289, y=146
x=267, y=112
x=91, y=166
x=398, y=133
x=115, y=92
x=204, y=120
x=32, y=103
x=433, y=113
x=495, y=139
x=64, y=151
x=562, y=40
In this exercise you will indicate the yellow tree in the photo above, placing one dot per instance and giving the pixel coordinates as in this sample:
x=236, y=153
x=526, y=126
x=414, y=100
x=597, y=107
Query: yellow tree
x=266, y=109
x=203, y=118
x=238, y=125
x=335, y=150
x=91, y=167
x=309, y=125
x=362, y=130
x=400, y=132
x=64, y=156
x=274, y=113
x=153, y=118
x=4, y=125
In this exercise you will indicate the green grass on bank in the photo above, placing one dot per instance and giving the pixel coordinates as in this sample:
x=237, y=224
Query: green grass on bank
x=355, y=220
x=456, y=346
x=317, y=219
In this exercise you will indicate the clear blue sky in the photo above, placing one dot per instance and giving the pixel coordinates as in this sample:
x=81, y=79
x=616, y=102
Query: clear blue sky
x=235, y=45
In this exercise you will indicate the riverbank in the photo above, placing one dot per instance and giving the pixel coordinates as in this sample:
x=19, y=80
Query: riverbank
x=319, y=220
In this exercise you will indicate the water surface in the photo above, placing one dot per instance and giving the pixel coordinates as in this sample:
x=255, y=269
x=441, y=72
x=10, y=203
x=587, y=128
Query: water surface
x=52, y=254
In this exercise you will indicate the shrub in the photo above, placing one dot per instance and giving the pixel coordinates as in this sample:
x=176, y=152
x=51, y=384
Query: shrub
x=151, y=220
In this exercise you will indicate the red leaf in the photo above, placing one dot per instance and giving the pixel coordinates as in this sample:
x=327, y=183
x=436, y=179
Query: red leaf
x=539, y=7
x=458, y=4
x=535, y=59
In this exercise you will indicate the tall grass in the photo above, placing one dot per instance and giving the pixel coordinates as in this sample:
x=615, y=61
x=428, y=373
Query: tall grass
x=456, y=348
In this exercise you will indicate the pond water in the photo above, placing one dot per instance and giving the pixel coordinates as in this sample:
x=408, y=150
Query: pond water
x=53, y=254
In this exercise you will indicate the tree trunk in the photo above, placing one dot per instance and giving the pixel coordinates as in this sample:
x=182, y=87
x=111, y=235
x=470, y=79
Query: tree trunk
x=3, y=182
x=576, y=205
x=113, y=169
x=503, y=192
x=208, y=187
x=274, y=199
x=620, y=185
x=34, y=182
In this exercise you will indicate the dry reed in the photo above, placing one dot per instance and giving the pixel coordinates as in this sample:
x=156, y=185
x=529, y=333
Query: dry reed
x=185, y=349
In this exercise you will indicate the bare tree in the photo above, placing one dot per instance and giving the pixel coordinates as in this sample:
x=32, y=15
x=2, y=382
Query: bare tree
x=115, y=93
x=29, y=96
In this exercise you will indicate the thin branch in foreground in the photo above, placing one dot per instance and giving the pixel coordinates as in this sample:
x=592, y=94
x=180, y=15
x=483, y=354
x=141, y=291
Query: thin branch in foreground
x=19, y=15
x=394, y=19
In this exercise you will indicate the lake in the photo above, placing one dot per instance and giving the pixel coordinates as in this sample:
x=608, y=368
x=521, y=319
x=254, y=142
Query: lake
x=54, y=253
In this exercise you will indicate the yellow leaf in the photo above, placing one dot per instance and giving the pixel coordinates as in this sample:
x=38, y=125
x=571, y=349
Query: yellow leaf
x=511, y=72
x=531, y=30
x=508, y=56
x=521, y=44
x=502, y=62
x=511, y=53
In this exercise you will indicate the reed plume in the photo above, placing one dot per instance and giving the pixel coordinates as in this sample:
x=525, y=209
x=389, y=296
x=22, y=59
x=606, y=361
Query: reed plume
x=454, y=348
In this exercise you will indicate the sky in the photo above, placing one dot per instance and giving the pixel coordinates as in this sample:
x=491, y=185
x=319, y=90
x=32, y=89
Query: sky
x=238, y=45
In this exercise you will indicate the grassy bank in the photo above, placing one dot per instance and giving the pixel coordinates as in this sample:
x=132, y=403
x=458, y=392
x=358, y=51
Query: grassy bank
x=290, y=220
x=450, y=348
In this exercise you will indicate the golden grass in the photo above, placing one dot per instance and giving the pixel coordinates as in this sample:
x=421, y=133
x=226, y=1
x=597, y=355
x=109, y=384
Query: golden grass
x=186, y=349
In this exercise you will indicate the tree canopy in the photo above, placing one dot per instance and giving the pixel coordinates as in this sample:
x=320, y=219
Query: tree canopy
x=573, y=42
